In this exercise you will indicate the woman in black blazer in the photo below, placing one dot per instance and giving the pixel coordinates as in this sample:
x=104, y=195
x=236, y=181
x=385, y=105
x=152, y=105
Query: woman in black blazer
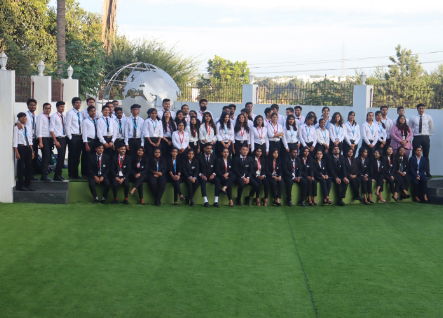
x=378, y=173
x=308, y=174
x=173, y=171
x=275, y=176
x=401, y=164
x=419, y=174
x=352, y=174
x=364, y=174
x=259, y=177
x=157, y=176
x=390, y=172
x=139, y=169
x=225, y=175
x=321, y=176
x=190, y=171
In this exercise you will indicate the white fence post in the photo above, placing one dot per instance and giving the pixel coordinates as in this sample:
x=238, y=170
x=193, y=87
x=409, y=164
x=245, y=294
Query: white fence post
x=362, y=101
x=41, y=86
x=249, y=93
x=7, y=101
x=70, y=89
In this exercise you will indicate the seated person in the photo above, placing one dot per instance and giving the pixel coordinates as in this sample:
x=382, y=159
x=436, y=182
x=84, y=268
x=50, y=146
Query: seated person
x=98, y=172
x=293, y=174
x=419, y=174
x=190, y=171
x=139, y=169
x=207, y=174
x=225, y=174
x=120, y=170
x=157, y=176
x=173, y=168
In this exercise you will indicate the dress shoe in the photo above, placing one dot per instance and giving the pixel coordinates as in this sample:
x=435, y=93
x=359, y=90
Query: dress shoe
x=216, y=205
x=206, y=204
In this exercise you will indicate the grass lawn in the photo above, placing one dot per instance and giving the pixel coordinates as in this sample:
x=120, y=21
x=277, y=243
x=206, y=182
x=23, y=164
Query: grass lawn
x=85, y=260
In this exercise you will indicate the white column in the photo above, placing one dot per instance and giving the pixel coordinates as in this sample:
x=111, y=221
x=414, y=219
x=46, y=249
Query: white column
x=249, y=93
x=7, y=100
x=362, y=100
x=70, y=90
x=42, y=89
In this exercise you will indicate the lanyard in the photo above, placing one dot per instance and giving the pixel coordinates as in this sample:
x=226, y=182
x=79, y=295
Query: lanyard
x=120, y=126
x=208, y=129
x=107, y=124
x=258, y=164
x=371, y=127
x=352, y=129
x=308, y=130
x=154, y=123
x=242, y=132
x=274, y=165
x=274, y=128
x=226, y=164
x=260, y=133
x=323, y=131
x=181, y=137
x=99, y=162
x=120, y=161
x=337, y=130
x=63, y=122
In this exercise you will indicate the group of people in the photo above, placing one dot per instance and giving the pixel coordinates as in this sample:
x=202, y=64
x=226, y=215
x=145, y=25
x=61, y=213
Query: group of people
x=263, y=153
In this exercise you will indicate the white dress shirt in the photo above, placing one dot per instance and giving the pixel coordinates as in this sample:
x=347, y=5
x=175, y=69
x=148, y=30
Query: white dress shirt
x=259, y=135
x=58, y=124
x=160, y=113
x=308, y=134
x=200, y=115
x=388, y=124
x=382, y=134
x=180, y=140
x=21, y=136
x=322, y=136
x=291, y=136
x=369, y=132
x=89, y=129
x=106, y=128
x=352, y=132
x=207, y=133
x=119, y=127
x=133, y=124
x=273, y=130
x=427, y=125
x=300, y=120
x=192, y=139
x=336, y=132
x=31, y=124
x=242, y=135
x=43, y=122
x=226, y=134
x=73, y=123
x=152, y=128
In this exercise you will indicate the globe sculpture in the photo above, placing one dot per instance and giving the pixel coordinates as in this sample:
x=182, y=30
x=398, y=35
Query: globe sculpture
x=140, y=83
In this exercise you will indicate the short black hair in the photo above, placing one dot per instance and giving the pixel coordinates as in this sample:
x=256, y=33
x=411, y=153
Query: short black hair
x=90, y=108
x=400, y=107
x=324, y=108
x=75, y=99
x=115, y=101
x=90, y=98
x=109, y=104
x=421, y=105
x=232, y=106
x=275, y=106
x=31, y=100
x=117, y=109
x=165, y=100
x=383, y=106
x=46, y=104
x=290, y=108
x=202, y=100
x=105, y=106
x=21, y=114
x=135, y=106
x=183, y=106
x=60, y=103
x=248, y=103
x=298, y=107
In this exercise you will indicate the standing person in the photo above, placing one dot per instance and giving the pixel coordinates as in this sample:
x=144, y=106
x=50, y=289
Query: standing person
x=31, y=124
x=337, y=170
x=307, y=173
x=119, y=127
x=325, y=115
x=57, y=129
x=390, y=172
x=382, y=134
x=369, y=134
x=336, y=131
x=166, y=105
x=401, y=111
x=106, y=133
x=44, y=139
x=289, y=111
x=352, y=134
x=323, y=138
x=225, y=174
x=299, y=118
x=291, y=135
x=203, y=106
x=281, y=119
x=152, y=132
x=233, y=108
x=207, y=174
x=308, y=135
x=243, y=170
x=275, y=134
x=401, y=135
x=180, y=116
x=364, y=174
x=275, y=177
x=157, y=176
x=120, y=172
x=180, y=141
x=419, y=174
x=207, y=131
x=259, y=136
x=268, y=114
x=22, y=147
x=190, y=171
x=185, y=109
x=76, y=149
x=388, y=122
x=169, y=127
x=241, y=133
x=89, y=131
x=259, y=176
x=193, y=131
x=401, y=164
x=378, y=174
x=422, y=126
x=90, y=101
x=99, y=166
x=134, y=130
x=139, y=171
x=225, y=133
x=321, y=175
x=292, y=174
x=352, y=174
x=173, y=170
x=249, y=106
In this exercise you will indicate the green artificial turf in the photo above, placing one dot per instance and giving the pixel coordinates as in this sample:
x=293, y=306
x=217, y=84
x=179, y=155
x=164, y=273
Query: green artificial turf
x=86, y=260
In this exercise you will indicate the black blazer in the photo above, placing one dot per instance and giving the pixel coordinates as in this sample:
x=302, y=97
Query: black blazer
x=401, y=164
x=264, y=166
x=376, y=170
x=351, y=167
x=243, y=167
x=152, y=166
x=126, y=167
x=363, y=167
x=220, y=168
x=190, y=169
x=423, y=168
x=278, y=169
x=337, y=167
x=292, y=169
x=207, y=168
x=306, y=167
x=170, y=166
x=139, y=167
x=318, y=171
x=93, y=165
x=389, y=167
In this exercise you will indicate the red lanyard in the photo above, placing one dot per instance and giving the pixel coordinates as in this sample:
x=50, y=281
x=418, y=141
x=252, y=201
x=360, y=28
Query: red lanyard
x=275, y=129
x=182, y=138
x=208, y=129
x=258, y=164
x=120, y=161
x=99, y=163
x=242, y=131
x=260, y=133
x=226, y=165
x=274, y=164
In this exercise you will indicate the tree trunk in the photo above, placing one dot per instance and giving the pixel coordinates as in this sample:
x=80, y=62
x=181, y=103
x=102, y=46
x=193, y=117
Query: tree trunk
x=108, y=24
x=61, y=36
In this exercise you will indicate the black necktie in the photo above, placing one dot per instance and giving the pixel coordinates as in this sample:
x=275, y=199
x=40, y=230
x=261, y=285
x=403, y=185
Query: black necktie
x=95, y=128
x=107, y=125
x=420, y=124
x=134, y=128
x=63, y=125
x=26, y=136
x=79, y=124
x=120, y=126
x=33, y=125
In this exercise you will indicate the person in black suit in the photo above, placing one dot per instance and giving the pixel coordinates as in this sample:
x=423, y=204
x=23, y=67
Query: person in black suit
x=321, y=175
x=390, y=172
x=190, y=171
x=139, y=170
x=120, y=170
x=243, y=171
x=364, y=174
x=352, y=174
x=378, y=169
x=259, y=177
x=173, y=168
x=98, y=173
x=419, y=174
x=207, y=174
x=157, y=176
x=292, y=174
x=308, y=174
x=225, y=174
x=275, y=176
x=401, y=173
x=337, y=170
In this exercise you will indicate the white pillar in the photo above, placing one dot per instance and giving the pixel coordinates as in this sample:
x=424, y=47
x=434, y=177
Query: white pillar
x=362, y=101
x=249, y=93
x=42, y=89
x=7, y=100
x=70, y=90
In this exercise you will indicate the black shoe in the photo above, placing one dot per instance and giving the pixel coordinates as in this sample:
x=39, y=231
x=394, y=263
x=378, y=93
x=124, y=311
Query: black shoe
x=247, y=199
x=238, y=202
x=115, y=201
x=191, y=202
x=302, y=203
x=125, y=202
x=340, y=203
x=289, y=203
x=206, y=204
x=58, y=178
x=45, y=179
x=216, y=205
x=96, y=200
x=103, y=200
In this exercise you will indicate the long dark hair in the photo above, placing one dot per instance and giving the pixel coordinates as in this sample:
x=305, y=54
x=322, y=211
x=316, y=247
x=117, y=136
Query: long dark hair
x=256, y=121
x=171, y=123
x=334, y=121
x=378, y=112
x=404, y=128
x=222, y=120
x=211, y=122
x=239, y=125
x=294, y=125
x=193, y=128
x=349, y=115
x=311, y=115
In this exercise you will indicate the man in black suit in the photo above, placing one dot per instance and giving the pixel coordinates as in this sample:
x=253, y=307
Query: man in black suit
x=337, y=170
x=120, y=171
x=419, y=174
x=98, y=172
x=225, y=174
x=292, y=174
x=157, y=176
x=351, y=167
x=207, y=174
x=190, y=171
x=243, y=172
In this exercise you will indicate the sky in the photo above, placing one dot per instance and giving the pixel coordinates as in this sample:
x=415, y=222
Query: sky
x=287, y=37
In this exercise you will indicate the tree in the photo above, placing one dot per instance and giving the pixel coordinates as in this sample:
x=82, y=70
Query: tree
x=109, y=24
x=61, y=35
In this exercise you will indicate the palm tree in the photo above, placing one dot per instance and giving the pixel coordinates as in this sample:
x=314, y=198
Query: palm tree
x=61, y=35
x=108, y=24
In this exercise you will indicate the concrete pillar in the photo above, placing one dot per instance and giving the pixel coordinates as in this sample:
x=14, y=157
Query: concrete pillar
x=42, y=88
x=70, y=90
x=249, y=93
x=7, y=100
x=362, y=101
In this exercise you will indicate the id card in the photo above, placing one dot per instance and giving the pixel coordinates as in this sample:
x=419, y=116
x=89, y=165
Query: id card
x=120, y=173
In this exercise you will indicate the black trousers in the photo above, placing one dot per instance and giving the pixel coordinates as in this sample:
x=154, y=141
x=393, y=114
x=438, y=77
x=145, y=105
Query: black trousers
x=355, y=187
x=166, y=149
x=379, y=180
x=60, y=156
x=24, y=166
x=325, y=187
x=228, y=184
x=424, y=142
x=420, y=187
x=241, y=186
x=302, y=188
x=391, y=185
x=214, y=181
x=176, y=186
x=116, y=185
x=157, y=186
x=275, y=187
x=84, y=162
x=340, y=189
x=93, y=187
x=35, y=166
x=149, y=149
x=255, y=191
x=275, y=145
x=262, y=147
x=366, y=186
x=191, y=187
x=238, y=145
x=46, y=155
x=402, y=182
x=134, y=144
x=75, y=151
x=109, y=151
x=138, y=184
